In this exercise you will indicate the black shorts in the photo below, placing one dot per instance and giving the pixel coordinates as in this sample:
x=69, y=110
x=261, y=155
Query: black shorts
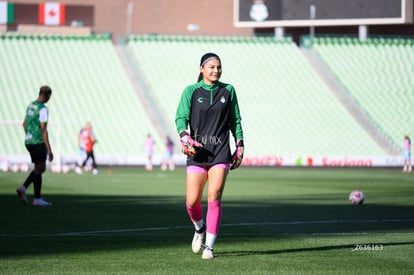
x=38, y=152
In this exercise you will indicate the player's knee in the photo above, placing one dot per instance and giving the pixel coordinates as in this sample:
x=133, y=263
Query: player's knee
x=214, y=196
x=40, y=168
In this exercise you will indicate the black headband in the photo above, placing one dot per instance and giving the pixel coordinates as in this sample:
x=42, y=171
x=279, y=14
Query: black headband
x=207, y=57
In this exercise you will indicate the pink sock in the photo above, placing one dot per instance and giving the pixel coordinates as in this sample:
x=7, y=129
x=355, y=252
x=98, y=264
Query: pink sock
x=195, y=213
x=213, y=217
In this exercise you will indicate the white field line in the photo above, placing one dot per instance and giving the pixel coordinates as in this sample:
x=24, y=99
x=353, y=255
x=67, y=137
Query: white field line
x=147, y=230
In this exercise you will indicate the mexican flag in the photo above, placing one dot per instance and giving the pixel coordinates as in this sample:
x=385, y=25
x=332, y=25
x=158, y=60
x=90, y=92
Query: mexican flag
x=51, y=13
x=6, y=12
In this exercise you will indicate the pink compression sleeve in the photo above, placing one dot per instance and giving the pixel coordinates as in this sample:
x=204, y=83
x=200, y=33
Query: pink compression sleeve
x=214, y=217
x=195, y=213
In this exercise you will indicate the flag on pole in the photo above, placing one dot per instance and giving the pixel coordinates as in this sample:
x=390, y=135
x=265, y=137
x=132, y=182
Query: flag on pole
x=6, y=12
x=51, y=13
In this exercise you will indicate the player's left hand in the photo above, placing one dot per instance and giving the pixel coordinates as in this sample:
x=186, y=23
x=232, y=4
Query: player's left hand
x=237, y=157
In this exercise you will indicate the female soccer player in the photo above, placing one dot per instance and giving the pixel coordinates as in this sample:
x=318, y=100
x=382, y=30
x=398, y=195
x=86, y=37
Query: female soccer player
x=407, y=154
x=210, y=109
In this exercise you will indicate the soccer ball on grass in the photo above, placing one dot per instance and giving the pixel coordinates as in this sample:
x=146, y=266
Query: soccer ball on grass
x=356, y=197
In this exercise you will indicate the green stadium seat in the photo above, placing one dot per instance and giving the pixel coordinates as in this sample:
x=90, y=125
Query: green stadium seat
x=286, y=108
x=282, y=100
x=378, y=74
x=89, y=83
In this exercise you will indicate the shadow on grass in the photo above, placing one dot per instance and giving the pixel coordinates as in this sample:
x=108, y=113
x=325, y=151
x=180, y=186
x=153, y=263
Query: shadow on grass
x=94, y=223
x=350, y=248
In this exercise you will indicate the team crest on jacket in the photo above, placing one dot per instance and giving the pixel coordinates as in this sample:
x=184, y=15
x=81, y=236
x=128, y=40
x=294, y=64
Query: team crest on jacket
x=222, y=99
x=200, y=100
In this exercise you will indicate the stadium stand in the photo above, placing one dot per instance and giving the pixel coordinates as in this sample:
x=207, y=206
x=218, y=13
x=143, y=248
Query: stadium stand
x=286, y=108
x=378, y=74
x=89, y=84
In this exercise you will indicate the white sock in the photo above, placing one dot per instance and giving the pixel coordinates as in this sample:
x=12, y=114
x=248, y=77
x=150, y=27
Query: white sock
x=198, y=225
x=210, y=240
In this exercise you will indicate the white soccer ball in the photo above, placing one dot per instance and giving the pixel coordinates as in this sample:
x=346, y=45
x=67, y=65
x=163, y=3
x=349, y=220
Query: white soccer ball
x=356, y=197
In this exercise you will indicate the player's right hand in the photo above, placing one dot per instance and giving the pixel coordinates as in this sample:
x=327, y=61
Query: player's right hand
x=50, y=156
x=188, y=145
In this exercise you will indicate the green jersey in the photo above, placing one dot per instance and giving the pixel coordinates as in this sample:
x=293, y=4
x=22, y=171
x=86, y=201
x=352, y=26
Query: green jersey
x=211, y=112
x=36, y=113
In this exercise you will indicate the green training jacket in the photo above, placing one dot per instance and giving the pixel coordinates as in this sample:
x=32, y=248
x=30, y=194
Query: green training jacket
x=211, y=112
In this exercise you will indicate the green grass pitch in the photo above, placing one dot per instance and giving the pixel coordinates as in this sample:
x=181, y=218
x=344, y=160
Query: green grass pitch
x=275, y=221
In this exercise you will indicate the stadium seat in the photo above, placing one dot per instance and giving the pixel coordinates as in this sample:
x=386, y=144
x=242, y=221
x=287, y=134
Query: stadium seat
x=89, y=83
x=282, y=100
x=378, y=74
x=286, y=107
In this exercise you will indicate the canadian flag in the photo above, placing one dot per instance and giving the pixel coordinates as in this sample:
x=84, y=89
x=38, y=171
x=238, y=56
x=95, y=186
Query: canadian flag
x=51, y=13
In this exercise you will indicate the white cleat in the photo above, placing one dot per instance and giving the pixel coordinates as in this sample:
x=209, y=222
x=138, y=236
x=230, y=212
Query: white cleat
x=197, y=241
x=41, y=202
x=207, y=253
x=78, y=170
x=95, y=171
x=21, y=192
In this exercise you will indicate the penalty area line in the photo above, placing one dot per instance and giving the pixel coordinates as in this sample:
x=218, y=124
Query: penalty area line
x=146, y=230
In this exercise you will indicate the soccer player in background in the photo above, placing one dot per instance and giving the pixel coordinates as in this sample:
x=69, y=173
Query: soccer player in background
x=81, y=153
x=168, y=159
x=37, y=143
x=87, y=138
x=407, y=154
x=210, y=109
x=149, y=148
